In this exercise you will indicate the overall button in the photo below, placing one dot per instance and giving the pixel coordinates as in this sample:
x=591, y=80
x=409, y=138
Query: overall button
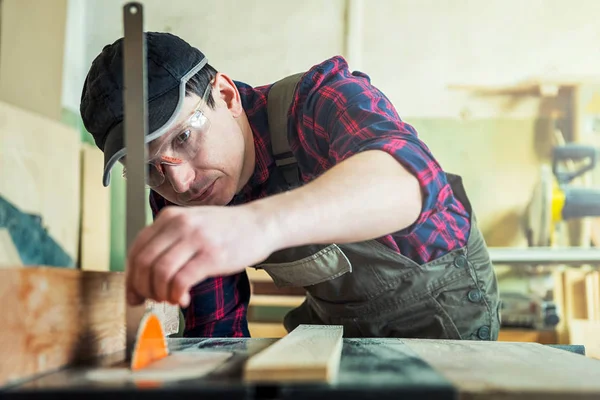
x=484, y=332
x=460, y=262
x=474, y=295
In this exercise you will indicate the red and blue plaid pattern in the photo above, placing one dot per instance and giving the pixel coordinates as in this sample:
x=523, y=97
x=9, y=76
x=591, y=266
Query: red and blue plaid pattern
x=336, y=113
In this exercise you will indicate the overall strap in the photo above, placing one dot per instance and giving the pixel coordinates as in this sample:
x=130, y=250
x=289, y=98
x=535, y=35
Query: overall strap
x=279, y=100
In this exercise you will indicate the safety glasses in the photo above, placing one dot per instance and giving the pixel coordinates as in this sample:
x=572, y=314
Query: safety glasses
x=180, y=145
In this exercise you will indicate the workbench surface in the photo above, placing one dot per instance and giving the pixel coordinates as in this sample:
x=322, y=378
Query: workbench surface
x=369, y=368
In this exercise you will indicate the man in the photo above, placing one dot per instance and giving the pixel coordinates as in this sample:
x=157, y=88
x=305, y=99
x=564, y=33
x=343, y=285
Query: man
x=382, y=239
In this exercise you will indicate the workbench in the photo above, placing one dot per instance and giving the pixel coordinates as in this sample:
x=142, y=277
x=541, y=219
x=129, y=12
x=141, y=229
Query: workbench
x=384, y=368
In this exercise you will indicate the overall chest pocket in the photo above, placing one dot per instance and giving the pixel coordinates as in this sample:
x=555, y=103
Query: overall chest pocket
x=310, y=265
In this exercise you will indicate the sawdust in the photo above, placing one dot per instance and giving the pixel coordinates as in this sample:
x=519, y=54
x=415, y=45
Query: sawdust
x=177, y=366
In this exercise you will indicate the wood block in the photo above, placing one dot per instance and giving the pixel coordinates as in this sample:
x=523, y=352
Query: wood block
x=511, y=371
x=168, y=315
x=308, y=353
x=54, y=317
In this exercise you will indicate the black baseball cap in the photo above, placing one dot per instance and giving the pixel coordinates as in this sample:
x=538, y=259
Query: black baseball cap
x=170, y=63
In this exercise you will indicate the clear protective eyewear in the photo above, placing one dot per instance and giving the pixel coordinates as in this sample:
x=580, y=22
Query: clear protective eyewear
x=179, y=146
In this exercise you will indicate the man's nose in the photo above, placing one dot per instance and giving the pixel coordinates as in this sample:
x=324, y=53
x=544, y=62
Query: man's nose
x=180, y=176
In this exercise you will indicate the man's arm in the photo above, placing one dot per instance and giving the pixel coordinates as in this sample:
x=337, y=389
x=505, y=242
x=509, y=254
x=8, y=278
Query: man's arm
x=368, y=195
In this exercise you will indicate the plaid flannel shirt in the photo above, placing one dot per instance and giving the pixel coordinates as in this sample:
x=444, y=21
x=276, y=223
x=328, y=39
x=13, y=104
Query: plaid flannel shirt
x=336, y=114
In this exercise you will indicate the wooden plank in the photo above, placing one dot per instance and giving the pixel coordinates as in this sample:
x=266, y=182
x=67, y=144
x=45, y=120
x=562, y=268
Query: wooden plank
x=32, y=31
x=586, y=333
x=95, y=212
x=269, y=288
x=258, y=275
x=511, y=371
x=275, y=301
x=559, y=298
x=40, y=171
x=592, y=291
x=308, y=353
x=527, y=335
x=575, y=296
x=9, y=255
x=56, y=316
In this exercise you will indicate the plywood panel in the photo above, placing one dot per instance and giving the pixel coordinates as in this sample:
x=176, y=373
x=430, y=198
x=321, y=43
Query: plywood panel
x=40, y=171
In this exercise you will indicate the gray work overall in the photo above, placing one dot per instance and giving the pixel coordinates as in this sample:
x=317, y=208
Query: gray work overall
x=372, y=290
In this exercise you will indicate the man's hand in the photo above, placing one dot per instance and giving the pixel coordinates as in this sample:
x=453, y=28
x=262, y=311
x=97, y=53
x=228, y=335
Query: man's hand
x=184, y=246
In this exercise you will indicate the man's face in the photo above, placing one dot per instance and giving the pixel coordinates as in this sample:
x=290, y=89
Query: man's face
x=211, y=176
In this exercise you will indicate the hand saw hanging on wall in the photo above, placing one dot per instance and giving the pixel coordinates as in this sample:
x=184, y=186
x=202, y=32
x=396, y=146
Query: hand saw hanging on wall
x=146, y=340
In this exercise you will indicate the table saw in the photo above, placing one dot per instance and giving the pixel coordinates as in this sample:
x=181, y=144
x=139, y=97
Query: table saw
x=383, y=368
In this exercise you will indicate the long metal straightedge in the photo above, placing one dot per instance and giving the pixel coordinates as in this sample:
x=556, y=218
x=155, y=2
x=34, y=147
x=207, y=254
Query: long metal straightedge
x=135, y=125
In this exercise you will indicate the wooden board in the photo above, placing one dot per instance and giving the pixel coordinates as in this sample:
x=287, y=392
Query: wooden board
x=40, y=171
x=9, y=255
x=95, y=212
x=32, y=42
x=53, y=317
x=586, y=333
x=528, y=335
x=308, y=353
x=511, y=371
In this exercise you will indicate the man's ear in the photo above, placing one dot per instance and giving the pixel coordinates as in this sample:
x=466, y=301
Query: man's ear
x=228, y=93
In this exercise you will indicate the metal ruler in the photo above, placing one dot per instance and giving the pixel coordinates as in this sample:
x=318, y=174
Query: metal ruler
x=135, y=128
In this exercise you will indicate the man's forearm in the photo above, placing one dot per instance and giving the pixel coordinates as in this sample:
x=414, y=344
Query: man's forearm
x=366, y=196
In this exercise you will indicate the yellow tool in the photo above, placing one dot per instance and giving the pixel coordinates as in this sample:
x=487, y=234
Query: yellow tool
x=555, y=200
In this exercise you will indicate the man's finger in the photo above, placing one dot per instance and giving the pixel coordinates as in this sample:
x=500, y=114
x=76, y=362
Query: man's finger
x=166, y=266
x=142, y=263
x=192, y=273
x=164, y=218
x=133, y=298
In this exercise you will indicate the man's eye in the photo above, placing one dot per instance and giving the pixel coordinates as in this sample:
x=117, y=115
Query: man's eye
x=182, y=137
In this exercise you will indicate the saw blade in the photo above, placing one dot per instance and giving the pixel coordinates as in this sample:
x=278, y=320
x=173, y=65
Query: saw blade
x=150, y=344
x=135, y=128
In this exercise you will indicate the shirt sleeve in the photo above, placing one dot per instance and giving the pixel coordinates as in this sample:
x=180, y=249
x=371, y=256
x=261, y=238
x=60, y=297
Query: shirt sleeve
x=368, y=121
x=219, y=305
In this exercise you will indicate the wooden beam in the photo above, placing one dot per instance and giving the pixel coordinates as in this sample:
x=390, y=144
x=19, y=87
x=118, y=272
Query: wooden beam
x=54, y=317
x=95, y=212
x=510, y=371
x=308, y=353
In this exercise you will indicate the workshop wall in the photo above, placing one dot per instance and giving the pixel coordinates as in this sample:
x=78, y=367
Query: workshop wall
x=413, y=50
